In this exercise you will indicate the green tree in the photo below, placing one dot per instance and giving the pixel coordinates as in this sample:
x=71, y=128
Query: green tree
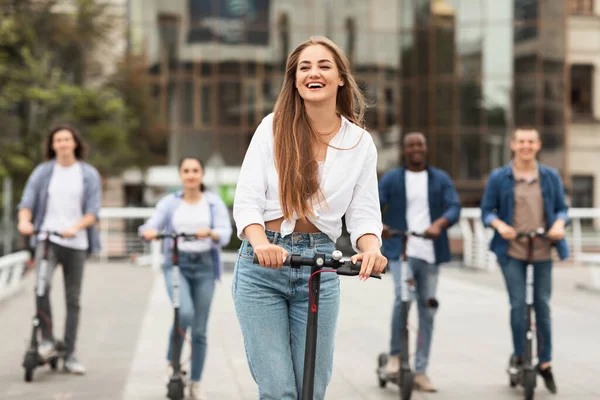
x=47, y=60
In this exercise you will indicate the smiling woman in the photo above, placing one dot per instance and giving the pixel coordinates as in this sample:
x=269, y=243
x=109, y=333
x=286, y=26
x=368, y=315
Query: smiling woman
x=290, y=195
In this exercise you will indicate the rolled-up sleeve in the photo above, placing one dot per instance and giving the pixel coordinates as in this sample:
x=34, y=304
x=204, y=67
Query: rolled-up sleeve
x=94, y=201
x=29, y=198
x=489, y=201
x=250, y=192
x=451, y=201
x=364, y=213
x=158, y=220
x=222, y=223
x=560, y=205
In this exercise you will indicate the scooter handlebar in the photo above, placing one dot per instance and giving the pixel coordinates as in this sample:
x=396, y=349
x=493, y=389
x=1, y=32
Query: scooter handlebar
x=185, y=236
x=345, y=268
x=538, y=233
x=49, y=233
x=395, y=232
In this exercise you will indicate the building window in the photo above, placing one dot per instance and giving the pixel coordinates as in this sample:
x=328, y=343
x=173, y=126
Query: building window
x=582, y=194
x=169, y=36
x=581, y=90
x=351, y=38
x=581, y=7
x=284, y=37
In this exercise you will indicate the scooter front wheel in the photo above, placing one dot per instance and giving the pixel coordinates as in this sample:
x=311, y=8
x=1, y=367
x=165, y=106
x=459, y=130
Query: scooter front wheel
x=175, y=389
x=529, y=381
x=54, y=363
x=406, y=384
x=513, y=381
x=381, y=363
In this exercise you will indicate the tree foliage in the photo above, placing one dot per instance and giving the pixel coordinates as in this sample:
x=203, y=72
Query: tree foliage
x=51, y=70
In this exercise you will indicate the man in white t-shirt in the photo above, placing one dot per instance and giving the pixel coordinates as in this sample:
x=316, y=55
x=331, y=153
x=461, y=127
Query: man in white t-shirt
x=418, y=198
x=63, y=195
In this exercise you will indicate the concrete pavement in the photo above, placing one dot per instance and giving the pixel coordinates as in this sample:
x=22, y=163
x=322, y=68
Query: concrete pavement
x=126, y=317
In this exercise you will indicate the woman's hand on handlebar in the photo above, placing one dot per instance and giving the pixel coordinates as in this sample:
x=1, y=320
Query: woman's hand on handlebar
x=150, y=234
x=270, y=255
x=203, y=233
x=373, y=262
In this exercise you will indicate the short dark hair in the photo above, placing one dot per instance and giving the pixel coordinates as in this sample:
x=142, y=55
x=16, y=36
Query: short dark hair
x=81, y=149
x=413, y=133
x=202, y=186
x=525, y=128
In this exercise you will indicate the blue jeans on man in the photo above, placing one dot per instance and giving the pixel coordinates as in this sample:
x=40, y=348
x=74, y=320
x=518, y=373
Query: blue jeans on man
x=425, y=277
x=514, y=272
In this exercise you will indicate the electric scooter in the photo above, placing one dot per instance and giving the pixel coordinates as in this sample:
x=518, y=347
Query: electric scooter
x=176, y=384
x=405, y=378
x=32, y=358
x=526, y=375
x=318, y=263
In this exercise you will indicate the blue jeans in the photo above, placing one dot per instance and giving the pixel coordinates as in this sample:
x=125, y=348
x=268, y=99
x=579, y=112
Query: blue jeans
x=272, y=308
x=196, y=287
x=514, y=272
x=425, y=276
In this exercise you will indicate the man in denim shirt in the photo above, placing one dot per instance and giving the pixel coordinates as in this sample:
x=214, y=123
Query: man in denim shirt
x=524, y=196
x=418, y=198
x=63, y=195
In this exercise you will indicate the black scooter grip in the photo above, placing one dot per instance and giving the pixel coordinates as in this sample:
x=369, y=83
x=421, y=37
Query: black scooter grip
x=353, y=270
x=255, y=260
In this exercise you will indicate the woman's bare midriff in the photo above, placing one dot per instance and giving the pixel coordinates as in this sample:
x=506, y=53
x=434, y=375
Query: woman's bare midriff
x=302, y=226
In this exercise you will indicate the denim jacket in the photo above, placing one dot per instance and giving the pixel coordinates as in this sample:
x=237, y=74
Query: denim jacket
x=162, y=220
x=443, y=202
x=499, y=199
x=35, y=198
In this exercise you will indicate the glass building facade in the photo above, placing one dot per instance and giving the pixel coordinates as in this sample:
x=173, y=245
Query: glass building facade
x=472, y=70
x=463, y=72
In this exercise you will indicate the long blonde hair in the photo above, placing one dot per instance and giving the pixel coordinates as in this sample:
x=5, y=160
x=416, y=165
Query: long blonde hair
x=294, y=134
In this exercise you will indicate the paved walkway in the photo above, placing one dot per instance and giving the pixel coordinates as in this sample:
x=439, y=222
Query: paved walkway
x=126, y=316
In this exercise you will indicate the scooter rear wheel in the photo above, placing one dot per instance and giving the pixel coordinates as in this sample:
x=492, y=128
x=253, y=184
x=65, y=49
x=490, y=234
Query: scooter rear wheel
x=54, y=363
x=175, y=389
x=382, y=362
x=529, y=381
x=406, y=384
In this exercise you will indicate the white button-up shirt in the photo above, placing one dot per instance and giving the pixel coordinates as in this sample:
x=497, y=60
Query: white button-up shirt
x=348, y=182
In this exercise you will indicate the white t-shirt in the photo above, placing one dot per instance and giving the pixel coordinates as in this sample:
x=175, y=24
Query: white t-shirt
x=188, y=218
x=348, y=181
x=64, y=208
x=417, y=215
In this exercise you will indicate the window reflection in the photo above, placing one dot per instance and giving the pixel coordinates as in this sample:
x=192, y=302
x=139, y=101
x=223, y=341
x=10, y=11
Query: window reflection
x=230, y=97
x=462, y=71
x=445, y=150
x=470, y=164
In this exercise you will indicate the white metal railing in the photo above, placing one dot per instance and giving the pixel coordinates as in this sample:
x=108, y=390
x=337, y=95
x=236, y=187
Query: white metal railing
x=584, y=246
x=475, y=237
x=117, y=241
x=12, y=267
x=120, y=240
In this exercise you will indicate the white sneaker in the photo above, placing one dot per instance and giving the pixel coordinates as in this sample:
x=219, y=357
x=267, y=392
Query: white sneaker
x=170, y=372
x=73, y=366
x=195, y=393
x=46, y=349
x=393, y=365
